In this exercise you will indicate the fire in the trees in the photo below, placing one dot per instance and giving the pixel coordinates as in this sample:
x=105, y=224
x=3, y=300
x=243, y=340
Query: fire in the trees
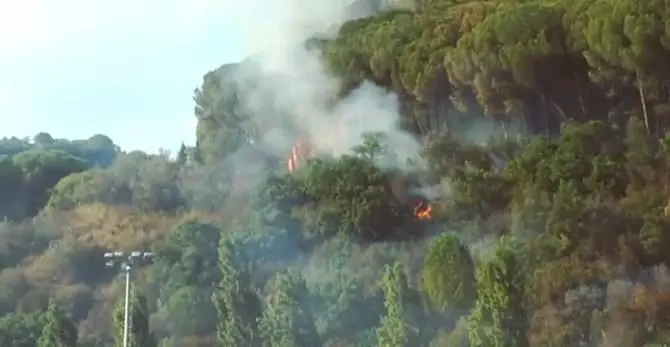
x=423, y=211
x=299, y=153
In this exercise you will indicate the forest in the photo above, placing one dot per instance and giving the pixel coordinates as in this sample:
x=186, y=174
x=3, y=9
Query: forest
x=520, y=199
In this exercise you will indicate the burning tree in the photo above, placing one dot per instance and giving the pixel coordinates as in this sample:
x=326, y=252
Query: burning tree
x=300, y=151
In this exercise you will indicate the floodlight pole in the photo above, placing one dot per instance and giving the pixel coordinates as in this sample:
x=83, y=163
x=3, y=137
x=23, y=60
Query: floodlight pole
x=127, y=260
x=126, y=314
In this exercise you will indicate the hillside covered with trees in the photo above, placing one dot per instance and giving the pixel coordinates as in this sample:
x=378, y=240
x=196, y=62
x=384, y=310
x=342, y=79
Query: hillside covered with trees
x=534, y=212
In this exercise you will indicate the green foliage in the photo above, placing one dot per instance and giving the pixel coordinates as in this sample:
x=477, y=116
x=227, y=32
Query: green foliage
x=641, y=156
x=354, y=198
x=341, y=308
x=275, y=200
x=82, y=187
x=349, y=195
x=182, y=275
x=12, y=206
x=139, y=334
x=237, y=305
x=41, y=170
x=28, y=177
x=187, y=256
x=287, y=319
x=98, y=150
x=21, y=330
x=221, y=130
x=59, y=330
x=148, y=182
x=498, y=318
x=448, y=274
x=395, y=329
x=585, y=187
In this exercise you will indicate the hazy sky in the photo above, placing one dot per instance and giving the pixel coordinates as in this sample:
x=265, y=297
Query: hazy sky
x=124, y=68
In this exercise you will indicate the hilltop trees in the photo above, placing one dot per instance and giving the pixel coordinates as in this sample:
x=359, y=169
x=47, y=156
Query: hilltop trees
x=28, y=177
x=551, y=232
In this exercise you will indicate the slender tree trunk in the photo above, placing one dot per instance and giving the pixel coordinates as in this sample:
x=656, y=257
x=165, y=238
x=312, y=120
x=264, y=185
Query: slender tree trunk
x=640, y=88
x=419, y=120
x=580, y=96
x=558, y=108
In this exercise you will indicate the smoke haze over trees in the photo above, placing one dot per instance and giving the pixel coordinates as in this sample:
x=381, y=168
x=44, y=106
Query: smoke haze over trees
x=438, y=173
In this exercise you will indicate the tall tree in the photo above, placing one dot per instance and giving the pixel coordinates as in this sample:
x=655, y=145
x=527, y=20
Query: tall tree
x=238, y=307
x=498, y=319
x=59, y=330
x=182, y=155
x=395, y=330
x=287, y=320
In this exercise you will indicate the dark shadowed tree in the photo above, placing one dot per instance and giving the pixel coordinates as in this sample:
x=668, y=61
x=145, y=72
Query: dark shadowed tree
x=182, y=155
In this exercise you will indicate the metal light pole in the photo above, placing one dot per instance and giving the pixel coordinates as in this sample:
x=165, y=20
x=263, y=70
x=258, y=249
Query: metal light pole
x=127, y=260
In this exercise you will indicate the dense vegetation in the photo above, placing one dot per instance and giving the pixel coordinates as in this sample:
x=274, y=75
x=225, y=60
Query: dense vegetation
x=552, y=233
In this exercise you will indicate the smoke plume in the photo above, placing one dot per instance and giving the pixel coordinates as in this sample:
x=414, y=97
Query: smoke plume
x=292, y=89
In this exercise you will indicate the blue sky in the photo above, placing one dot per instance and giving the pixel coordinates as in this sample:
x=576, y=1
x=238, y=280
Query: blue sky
x=124, y=68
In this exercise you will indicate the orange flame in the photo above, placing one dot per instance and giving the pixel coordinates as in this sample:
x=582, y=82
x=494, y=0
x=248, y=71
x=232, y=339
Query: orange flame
x=423, y=211
x=298, y=153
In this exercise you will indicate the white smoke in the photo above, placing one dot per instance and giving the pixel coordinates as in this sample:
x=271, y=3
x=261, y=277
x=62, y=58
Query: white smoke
x=302, y=91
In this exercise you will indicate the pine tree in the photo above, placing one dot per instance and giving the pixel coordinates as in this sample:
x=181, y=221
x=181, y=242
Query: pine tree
x=498, y=318
x=394, y=330
x=182, y=155
x=59, y=330
x=287, y=320
x=238, y=307
x=197, y=153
